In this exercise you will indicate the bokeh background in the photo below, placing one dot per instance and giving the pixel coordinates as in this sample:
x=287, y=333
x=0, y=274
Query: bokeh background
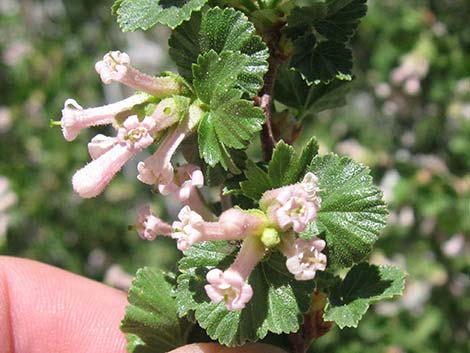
x=407, y=117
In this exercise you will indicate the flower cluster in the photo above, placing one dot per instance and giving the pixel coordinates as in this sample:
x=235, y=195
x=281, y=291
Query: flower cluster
x=157, y=113
x=284, y=213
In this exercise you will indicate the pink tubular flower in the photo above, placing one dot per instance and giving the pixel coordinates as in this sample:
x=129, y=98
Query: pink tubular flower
x=304, y=258
x=75, y=118
x=100, y=144
x=116, y=66
x=149, y=226
x=187, y=230
x=184, y=186
x=231, y=285
x=293, y=206
x=157, y=169
x=187, y=178
x=233, y=224
x=91, y=180
x=136, y=134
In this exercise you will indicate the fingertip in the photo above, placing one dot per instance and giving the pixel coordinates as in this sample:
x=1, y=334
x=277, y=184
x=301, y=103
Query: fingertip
x=51, y=310
x=216, y=348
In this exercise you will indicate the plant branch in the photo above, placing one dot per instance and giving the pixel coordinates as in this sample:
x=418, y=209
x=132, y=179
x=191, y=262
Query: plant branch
x=268, y=140
x=313, y=327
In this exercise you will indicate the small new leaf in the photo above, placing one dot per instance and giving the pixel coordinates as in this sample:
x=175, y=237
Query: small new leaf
x=363, y=285
x=352, y=213
x=277, y=305
x=144, y=14
x=221, y=30
x=301, y=162
x=151, y=318
x=289, y=173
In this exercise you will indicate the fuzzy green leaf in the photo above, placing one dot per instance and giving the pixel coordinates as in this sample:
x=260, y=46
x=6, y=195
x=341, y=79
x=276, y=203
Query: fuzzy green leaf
x=215, y=74
x=210, y=149
x=363, y=285
x=294, y=92
x=221, y=30
x=352, y=213
x=277, y=304
x=144, y=14
x=234, y=121
x=231, y=121
x=151, y=318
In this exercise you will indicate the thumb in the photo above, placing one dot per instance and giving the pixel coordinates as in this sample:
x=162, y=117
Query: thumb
x=216, y=348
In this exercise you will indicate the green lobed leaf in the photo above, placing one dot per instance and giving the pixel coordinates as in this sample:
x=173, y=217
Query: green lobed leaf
x=151, y=318
x=221, y=30
x=363, y=285
x=277, y=305
x=342, y=19
x=210, y=149
x=335, y=20
x=320, y=31
x=235, y=120
x=292, y=91
x=144, y=14
x=213, y=74
x=231, y=121
x=352, y=213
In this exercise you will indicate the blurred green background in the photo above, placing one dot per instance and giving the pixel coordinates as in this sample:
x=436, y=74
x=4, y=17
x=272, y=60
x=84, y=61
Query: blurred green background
x=407, y=117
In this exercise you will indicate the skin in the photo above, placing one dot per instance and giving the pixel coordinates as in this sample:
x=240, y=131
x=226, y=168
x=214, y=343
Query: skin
x=47, y=310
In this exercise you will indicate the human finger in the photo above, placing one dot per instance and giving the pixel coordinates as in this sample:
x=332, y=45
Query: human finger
x=45, y=309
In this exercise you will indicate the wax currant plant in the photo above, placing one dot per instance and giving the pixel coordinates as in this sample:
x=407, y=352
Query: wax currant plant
x=283, y=255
